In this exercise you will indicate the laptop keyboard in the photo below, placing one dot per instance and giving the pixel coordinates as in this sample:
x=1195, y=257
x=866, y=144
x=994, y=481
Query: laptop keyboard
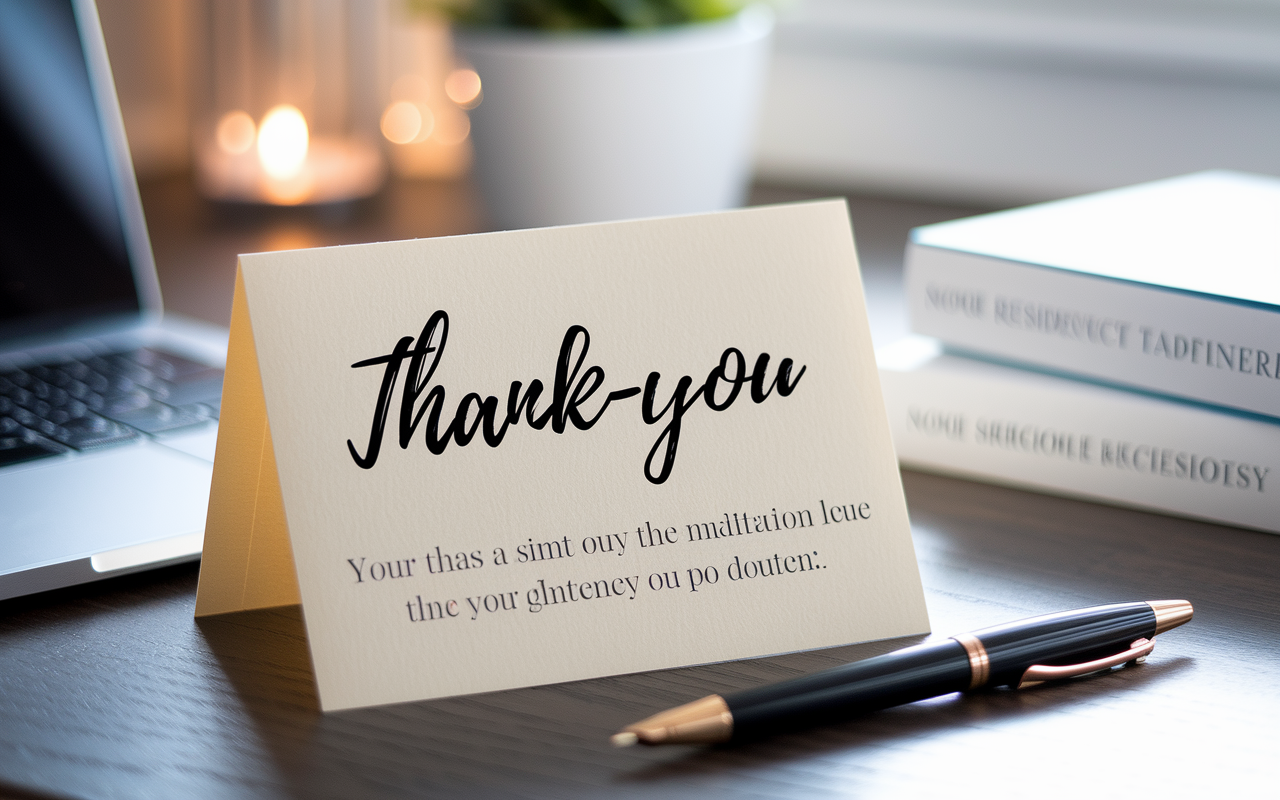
x=102, y=401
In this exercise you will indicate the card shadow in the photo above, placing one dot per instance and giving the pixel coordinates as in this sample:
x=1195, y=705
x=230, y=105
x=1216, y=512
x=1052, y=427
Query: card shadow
x=264, y=656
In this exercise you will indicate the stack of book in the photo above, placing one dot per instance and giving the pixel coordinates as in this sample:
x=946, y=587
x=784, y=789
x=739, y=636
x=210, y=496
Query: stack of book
x=1122, y=346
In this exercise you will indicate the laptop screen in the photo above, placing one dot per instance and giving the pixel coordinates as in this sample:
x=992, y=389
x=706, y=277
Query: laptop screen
x=63, y=258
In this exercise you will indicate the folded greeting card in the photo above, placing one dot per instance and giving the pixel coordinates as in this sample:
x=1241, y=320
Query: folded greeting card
x=508, y=459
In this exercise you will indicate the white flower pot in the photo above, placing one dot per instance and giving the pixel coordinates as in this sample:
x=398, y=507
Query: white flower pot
x=585, y=127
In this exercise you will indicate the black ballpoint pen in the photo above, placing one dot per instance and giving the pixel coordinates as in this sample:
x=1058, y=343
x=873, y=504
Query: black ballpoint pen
x=1016, y=654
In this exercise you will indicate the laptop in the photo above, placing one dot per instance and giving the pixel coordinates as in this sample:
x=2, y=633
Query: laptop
x=108, y=410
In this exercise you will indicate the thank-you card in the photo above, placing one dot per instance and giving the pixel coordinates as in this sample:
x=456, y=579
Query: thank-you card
x=507, y=459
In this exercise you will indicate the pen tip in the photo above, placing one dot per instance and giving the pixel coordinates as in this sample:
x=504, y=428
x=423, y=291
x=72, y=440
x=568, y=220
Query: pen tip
x=624, y=739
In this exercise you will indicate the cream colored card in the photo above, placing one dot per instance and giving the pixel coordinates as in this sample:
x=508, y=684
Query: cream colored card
x=520, y=458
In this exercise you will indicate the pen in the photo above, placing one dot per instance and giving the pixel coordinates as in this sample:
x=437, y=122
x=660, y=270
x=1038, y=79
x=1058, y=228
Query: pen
x=1016, y=654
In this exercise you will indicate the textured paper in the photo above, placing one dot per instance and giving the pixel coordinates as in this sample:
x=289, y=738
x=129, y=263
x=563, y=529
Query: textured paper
x=802, y=456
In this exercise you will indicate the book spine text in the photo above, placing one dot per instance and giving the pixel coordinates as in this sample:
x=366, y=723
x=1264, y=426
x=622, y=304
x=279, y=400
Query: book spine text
x=1131, y=335
x=1052, y=435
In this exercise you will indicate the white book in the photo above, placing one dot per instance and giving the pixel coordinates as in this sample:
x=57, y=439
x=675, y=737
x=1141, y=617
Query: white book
x=1170, y=287
x=992, y=423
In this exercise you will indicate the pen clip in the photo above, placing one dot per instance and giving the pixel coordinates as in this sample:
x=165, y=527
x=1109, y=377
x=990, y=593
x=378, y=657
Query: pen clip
x=1137, y=651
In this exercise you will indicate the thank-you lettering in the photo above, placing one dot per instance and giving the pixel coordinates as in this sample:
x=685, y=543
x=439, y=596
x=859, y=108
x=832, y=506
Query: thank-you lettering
x=422, y=403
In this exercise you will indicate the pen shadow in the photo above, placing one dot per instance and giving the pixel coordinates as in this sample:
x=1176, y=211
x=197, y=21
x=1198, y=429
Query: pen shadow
x=877, y=730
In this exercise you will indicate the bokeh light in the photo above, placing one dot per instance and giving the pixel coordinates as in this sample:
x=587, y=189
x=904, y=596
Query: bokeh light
x=463, y=87
x=404, y=122
x=452, y=128
x=236, y=132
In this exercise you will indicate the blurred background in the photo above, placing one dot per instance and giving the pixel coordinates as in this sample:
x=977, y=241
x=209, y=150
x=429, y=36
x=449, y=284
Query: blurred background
x=990, y=101
x=943, y=107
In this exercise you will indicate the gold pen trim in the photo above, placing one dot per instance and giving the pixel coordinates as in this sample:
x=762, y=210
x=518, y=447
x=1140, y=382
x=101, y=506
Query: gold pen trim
x=979, y=661
x=704, y=721
x=1170, y=614
x=1138, y=651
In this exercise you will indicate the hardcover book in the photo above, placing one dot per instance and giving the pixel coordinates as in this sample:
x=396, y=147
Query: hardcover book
x=1170, y=287
x=974, y=419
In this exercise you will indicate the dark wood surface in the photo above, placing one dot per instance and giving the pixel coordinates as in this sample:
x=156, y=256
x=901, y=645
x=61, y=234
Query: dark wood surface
x=113, y=690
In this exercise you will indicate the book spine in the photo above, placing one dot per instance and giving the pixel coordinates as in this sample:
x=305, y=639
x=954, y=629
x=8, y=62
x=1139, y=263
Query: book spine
x=1132, y=335
x=1090, y=442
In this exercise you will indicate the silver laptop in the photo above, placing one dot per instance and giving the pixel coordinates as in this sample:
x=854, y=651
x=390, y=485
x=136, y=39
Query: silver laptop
x=108, y=411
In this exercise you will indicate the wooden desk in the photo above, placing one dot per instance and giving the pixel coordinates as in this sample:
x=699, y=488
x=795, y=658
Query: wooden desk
x=113, y=690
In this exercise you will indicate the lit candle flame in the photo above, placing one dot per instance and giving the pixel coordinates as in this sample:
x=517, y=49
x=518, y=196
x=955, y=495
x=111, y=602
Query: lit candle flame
x=283, y=142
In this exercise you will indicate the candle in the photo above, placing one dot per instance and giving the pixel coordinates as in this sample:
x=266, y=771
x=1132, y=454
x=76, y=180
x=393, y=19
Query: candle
x=289, y=102
x=277, y=161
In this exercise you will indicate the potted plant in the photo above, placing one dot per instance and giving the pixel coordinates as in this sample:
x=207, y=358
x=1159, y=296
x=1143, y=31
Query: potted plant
x=608, y=109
